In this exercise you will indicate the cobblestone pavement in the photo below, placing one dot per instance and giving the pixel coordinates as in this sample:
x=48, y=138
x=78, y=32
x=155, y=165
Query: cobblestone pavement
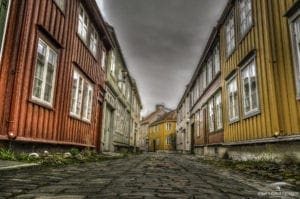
x=143, y=176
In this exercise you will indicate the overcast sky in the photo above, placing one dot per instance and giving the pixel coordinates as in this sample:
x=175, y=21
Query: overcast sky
x=162, y=41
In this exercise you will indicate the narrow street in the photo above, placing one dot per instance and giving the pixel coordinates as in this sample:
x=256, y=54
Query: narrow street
x=143, y=176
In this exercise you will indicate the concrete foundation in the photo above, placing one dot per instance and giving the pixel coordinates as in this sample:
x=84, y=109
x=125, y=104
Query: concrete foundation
x=275, y=152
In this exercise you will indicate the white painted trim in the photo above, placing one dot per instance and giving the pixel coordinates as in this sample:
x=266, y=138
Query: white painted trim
x=4, y=31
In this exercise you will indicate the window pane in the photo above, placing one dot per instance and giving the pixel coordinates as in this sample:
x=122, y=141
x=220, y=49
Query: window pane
x=250, y=94
x=74, y=91
x=296, y=26
x=79, y=96
x=233, y=106
x=211, y=116
x=245, y=14
x=230, y=35
x=44, y=72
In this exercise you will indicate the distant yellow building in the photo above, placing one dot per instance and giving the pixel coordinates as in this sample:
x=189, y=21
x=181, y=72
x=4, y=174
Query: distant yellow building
x=162, y=133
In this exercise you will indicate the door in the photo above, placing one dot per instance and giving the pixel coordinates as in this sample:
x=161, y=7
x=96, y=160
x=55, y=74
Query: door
x=108, y=129
x=192, y=138
x=204, y=125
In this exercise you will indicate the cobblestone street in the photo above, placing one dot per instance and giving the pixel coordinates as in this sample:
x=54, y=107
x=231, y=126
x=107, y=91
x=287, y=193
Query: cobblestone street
x=143, y=176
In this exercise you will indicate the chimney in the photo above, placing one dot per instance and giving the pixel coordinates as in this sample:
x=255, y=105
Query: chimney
x=160, y=106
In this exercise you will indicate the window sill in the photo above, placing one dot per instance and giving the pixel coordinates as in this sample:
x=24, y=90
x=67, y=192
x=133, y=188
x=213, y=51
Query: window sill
x=75, y=117
x=244, y=35
x=60, y=9
x=251, y=114
x=41, y=104
x=86, y=46
x=216, y=131
x=234, y=121
x=230, y=54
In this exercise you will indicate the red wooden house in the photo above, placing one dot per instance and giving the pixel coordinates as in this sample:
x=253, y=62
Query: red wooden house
x=52, y=71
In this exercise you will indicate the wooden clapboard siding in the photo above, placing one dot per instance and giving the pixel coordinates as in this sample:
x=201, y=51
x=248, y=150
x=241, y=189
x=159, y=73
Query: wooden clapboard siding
x=284, y=72
x=269, y=37
x=266, y=123
x=35, y=122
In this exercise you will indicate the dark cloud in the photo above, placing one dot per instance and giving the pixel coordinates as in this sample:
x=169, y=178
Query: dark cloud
x=162, y=41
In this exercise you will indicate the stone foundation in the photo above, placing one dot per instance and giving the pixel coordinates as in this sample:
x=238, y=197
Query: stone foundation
x=275, y=152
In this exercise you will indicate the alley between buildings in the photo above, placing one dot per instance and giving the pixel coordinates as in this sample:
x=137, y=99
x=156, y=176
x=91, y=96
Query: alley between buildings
x=152, y=175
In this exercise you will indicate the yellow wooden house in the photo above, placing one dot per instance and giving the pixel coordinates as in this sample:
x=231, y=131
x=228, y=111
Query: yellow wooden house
x=162, y=133
x=260, y=58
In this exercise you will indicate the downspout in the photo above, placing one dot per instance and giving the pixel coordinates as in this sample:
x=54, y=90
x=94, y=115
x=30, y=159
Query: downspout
x=273, y=47
x=15, y=71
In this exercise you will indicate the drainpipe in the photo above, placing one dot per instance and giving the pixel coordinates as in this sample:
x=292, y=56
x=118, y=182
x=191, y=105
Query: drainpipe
x=16, y=71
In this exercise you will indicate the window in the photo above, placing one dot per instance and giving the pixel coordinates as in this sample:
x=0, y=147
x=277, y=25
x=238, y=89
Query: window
x=218, y=111
x=44, y=75
x=113, y=64
x=82, y=97
x=93, y=41
x=4, y=6
x=103, y=59
x=169, y=140
x=249, y=85
x=87, y=31
x=202, y=87
x=87, y=106
x=197, y=125
x=233, y=106
x=211, y=119
x=216, y=58
x=60, y=4
x=229, y=34
x=168, y=126
x=295, y=38
x=83, y=24
x=157, y=141
x=209, y=70
x=245, y=13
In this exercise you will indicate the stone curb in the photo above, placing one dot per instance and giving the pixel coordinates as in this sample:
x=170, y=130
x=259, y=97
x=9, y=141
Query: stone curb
x=18, y=166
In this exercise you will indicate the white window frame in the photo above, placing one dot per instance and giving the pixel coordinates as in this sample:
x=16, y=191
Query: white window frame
x=43, y=79
x=235, y=113
x=245, y=16
x=88, y=102
x=5, y=28
x=218, y=111
x=230, y=34
x=168, y=126
x=82, y=99
x=93, y=45
x=61, y=4
x=216, y=58
x=113, y=64
x=83, y=24
x=211, y=115
x=250, y=64
x=197, y=118
x=169, y=140
x=103, y=59
x=210, y=70
x=295, y=42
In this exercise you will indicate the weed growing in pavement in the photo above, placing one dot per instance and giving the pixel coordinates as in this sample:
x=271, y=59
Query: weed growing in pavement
x=7, y=154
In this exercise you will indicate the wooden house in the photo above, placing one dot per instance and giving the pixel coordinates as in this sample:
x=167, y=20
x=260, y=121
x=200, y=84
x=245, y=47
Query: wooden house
x=162, y=133
x=52, y=72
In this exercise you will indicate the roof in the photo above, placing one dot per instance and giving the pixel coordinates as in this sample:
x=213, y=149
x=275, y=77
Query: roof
x=157, y=112
x=170, y=116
